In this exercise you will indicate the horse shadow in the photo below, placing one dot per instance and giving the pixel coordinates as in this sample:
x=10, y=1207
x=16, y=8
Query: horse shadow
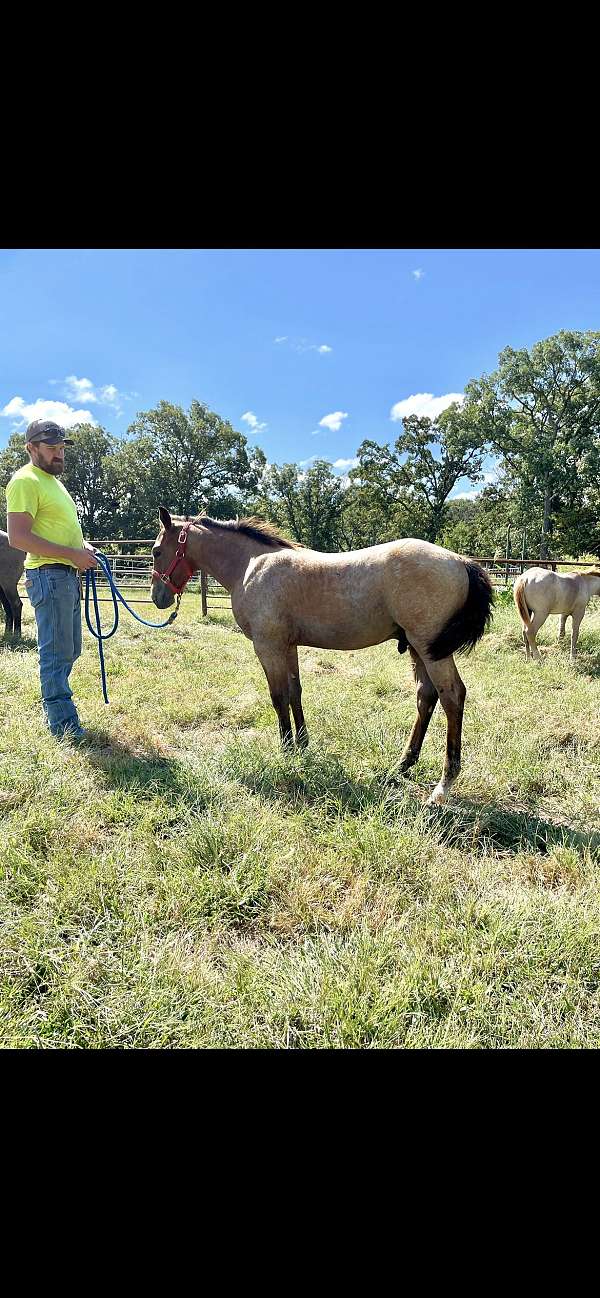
x=22, y=645
x=587, y=664
x=465, y=824
x=297, y=779
x=302, y=780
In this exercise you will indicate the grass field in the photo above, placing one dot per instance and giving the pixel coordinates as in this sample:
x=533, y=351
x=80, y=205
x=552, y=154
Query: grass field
x=180, y=883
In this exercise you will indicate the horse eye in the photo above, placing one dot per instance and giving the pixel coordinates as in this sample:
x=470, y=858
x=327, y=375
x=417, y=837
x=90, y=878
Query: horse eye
x=156, y=553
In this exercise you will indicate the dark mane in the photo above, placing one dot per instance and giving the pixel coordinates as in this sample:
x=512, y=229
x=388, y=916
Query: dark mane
x=253, y=527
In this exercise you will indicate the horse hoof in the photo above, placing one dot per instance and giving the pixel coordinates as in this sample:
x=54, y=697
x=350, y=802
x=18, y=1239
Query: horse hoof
x=438, y=796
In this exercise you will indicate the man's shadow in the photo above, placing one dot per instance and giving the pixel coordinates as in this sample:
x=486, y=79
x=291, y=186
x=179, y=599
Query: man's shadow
x=146, y=773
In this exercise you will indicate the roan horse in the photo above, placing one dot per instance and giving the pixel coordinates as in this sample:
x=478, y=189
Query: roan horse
x=283, y=595
x=539, y=592
x=11, y=569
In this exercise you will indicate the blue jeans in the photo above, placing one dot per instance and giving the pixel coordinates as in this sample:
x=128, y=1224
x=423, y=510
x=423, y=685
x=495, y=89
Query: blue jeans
x=55, y=599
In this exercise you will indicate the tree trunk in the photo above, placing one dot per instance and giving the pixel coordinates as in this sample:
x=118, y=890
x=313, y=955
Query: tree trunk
x=547, y=524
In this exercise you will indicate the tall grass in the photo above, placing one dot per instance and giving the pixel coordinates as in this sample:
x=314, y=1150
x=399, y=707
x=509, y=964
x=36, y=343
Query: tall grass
x=179, y=882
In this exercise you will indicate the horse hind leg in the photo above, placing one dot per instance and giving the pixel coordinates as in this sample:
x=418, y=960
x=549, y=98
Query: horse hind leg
x=427, y=697
x=8, y=612
x=16, y=609
x=531, y=631
x=452, y=693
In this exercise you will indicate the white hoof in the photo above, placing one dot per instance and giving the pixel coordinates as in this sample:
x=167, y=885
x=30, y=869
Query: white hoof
x=438, y=795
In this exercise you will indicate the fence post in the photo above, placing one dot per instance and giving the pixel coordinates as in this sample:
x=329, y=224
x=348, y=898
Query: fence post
x=203, y=591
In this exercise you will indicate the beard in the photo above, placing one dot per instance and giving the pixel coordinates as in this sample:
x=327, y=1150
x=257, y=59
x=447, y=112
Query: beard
x=55, y=466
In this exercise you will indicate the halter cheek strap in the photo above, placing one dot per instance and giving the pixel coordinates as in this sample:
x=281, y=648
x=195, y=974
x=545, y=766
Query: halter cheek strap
x=180, y=557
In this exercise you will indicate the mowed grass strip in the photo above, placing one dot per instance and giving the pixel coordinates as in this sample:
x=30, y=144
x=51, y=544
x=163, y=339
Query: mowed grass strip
x=182, y=883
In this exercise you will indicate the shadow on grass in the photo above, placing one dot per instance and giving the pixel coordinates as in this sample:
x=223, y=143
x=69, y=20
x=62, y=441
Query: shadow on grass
x=24, y=645
x=587, y=663
x=310, y=780
x=303, y=780
x=145, y=773
x=467, y=825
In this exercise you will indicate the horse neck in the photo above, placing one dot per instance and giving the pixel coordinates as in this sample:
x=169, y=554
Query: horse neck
x=223, y=553
x=592, y=581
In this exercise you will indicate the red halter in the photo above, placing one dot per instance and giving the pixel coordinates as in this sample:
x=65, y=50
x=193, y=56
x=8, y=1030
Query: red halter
x=179, y=558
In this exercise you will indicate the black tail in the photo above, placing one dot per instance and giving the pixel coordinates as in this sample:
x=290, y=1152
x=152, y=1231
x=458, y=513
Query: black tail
x=466, y=627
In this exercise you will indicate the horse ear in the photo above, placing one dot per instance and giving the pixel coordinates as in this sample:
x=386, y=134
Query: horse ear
x=165, y=518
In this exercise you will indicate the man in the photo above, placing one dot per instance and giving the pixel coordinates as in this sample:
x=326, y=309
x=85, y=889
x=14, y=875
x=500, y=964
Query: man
x=42, y=519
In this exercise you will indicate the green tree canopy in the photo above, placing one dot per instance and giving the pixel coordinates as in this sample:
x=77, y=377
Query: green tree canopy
x=409, y=484
x=191, y=461
x=540, y=411
x=308, y=504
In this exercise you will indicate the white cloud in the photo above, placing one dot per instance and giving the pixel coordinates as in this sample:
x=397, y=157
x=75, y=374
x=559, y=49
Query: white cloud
x=417, y=274
x=310, y=459
x=424, y=404
x=466, y=495
x=253, y=424
x=333, y=421
x=303, y=345
x=345, y=464
x=80, y=389
x=23, y=413
x=84, y=390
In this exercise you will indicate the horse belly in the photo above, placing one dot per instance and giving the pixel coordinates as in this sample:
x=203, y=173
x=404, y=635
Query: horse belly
x=349, y=633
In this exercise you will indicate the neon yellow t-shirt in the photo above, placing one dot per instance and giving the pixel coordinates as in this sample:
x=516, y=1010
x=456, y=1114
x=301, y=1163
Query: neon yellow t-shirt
x=32, y=491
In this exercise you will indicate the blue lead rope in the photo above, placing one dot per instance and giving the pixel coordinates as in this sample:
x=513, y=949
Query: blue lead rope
x=97, y=632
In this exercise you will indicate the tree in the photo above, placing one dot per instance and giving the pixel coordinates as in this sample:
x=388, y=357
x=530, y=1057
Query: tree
x=479, y=527
x=193, y=460
x=540, y=411
x=12, y=458
x=409, y=486
x=90, y=479
x=307, y=504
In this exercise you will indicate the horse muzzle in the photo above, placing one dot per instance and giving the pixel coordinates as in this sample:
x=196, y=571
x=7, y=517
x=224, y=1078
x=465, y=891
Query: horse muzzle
x=161, y=592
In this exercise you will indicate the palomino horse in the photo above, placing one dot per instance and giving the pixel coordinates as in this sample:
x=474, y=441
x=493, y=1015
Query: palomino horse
x=539, y=592
x=283, y=595
x=11, y=570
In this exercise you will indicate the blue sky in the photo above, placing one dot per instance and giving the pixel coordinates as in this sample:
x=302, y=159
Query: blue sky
x=305, y=351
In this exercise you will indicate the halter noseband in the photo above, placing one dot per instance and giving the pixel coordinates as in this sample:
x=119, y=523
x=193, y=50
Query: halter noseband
x=180, y=557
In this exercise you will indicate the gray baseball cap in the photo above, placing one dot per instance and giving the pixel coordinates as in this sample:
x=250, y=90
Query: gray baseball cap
x=44, y=430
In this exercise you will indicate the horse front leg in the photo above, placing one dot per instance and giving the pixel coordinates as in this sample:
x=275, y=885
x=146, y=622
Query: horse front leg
x=273, y=661
x=427, y=697
x=561, y=626
x=576, y=620
x=295, y=692
x=452, y=693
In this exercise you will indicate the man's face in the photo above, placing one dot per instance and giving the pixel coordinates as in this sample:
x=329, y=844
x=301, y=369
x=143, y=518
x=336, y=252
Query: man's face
x=49, y=458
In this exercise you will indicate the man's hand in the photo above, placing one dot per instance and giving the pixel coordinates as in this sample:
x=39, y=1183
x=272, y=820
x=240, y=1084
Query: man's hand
x=85, y=558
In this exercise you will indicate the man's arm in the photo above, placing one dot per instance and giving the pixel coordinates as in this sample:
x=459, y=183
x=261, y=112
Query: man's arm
x=21, y=537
